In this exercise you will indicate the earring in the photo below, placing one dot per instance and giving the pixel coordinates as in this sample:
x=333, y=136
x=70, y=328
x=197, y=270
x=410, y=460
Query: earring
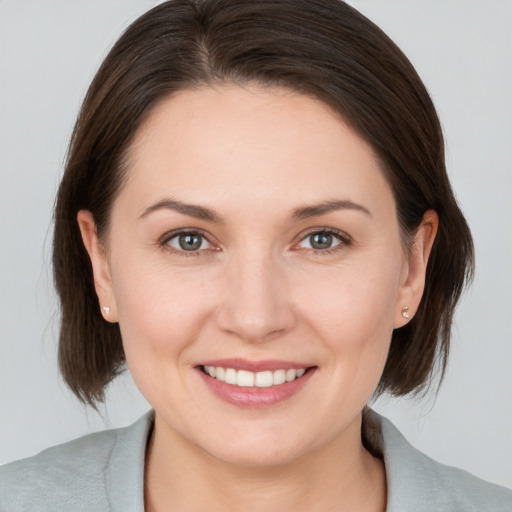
x=106, y=309
x=405, y=311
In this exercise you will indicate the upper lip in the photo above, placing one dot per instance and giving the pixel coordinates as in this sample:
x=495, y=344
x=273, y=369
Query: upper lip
x=255, y=366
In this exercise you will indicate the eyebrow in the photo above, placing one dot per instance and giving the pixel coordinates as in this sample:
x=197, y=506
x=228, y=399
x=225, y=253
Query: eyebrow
x=326, y=207
x=199, y=212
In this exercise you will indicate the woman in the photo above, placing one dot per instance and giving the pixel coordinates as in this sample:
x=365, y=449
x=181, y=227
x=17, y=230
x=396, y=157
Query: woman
x=256, y=217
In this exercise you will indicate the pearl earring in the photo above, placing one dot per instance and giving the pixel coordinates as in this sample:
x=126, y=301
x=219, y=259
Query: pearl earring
x=106, y=309
x=405, y=311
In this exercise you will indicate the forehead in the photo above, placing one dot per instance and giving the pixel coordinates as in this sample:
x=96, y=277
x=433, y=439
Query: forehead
x=211, y=143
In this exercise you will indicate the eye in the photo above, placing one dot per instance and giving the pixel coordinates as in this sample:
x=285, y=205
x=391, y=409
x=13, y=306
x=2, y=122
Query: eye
x=188, y=241
x=323, y=240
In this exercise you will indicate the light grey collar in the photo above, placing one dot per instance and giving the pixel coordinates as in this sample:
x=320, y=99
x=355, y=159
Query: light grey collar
x=415, y=483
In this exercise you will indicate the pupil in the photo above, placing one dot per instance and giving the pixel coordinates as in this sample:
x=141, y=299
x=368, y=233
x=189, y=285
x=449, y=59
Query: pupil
x=321, y=241
x=190, y=242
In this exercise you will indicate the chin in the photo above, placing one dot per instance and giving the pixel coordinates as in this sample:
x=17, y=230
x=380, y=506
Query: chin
x=263, y=443
x=257, y=456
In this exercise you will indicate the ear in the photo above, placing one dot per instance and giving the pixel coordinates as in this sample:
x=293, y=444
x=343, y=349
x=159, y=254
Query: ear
x=413, y=281
x=100, y=265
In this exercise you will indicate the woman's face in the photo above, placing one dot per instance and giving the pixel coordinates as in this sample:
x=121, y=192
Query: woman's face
x=255, y=235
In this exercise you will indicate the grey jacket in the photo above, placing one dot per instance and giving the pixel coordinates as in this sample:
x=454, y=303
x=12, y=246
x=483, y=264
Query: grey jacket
x=105, y=472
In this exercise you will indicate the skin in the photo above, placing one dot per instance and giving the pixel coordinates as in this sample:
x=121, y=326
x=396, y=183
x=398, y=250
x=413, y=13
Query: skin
x=258, y=290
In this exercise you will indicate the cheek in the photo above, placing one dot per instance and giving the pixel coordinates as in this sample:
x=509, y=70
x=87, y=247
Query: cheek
x=353, y=319
x=350, y=301
x=352, y=312
x=160, y=312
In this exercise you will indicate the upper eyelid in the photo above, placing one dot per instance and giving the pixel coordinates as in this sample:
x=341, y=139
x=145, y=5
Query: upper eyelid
x=175, y=232
x=343, y=236
x=164, y=240
x=332, y=231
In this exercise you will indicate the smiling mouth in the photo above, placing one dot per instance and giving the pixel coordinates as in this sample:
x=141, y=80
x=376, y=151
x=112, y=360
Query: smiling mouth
x=248, y=379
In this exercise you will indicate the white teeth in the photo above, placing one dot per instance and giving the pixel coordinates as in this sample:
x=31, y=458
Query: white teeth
x=291, y=375
x=244, y=378
x=264, y=379
x=279, y=377
x=230, y=376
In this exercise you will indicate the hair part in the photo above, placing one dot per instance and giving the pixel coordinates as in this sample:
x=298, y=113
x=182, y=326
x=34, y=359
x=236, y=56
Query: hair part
x=322, y=48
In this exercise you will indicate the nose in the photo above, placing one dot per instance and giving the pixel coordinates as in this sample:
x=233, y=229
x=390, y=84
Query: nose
x=256, y=305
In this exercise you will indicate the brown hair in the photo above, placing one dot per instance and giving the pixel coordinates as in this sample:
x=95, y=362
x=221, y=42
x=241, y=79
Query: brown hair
x=323, y=48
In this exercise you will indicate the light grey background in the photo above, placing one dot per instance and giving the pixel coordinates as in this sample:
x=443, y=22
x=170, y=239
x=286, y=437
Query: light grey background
x=49, y=51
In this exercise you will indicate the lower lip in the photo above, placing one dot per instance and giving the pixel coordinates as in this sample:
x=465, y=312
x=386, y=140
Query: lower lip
x=253, y=397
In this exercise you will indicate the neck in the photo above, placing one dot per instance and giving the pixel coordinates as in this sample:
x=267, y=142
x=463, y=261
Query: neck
x=340, y=476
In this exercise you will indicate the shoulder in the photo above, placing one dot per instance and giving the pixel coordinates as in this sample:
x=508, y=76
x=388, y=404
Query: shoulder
x=417, y=482
x=57, y=476
x=74, y=476
x=467, y=491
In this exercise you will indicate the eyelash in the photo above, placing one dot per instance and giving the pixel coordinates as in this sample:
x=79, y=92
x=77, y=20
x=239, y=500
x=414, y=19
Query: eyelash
x=343, y=238
x=165, y=239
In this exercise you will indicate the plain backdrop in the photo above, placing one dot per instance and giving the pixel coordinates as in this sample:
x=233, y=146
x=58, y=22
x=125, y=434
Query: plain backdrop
x=49, y=52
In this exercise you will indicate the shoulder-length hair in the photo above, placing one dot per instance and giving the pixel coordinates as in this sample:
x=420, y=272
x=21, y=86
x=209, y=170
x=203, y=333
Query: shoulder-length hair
x=322, y=48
